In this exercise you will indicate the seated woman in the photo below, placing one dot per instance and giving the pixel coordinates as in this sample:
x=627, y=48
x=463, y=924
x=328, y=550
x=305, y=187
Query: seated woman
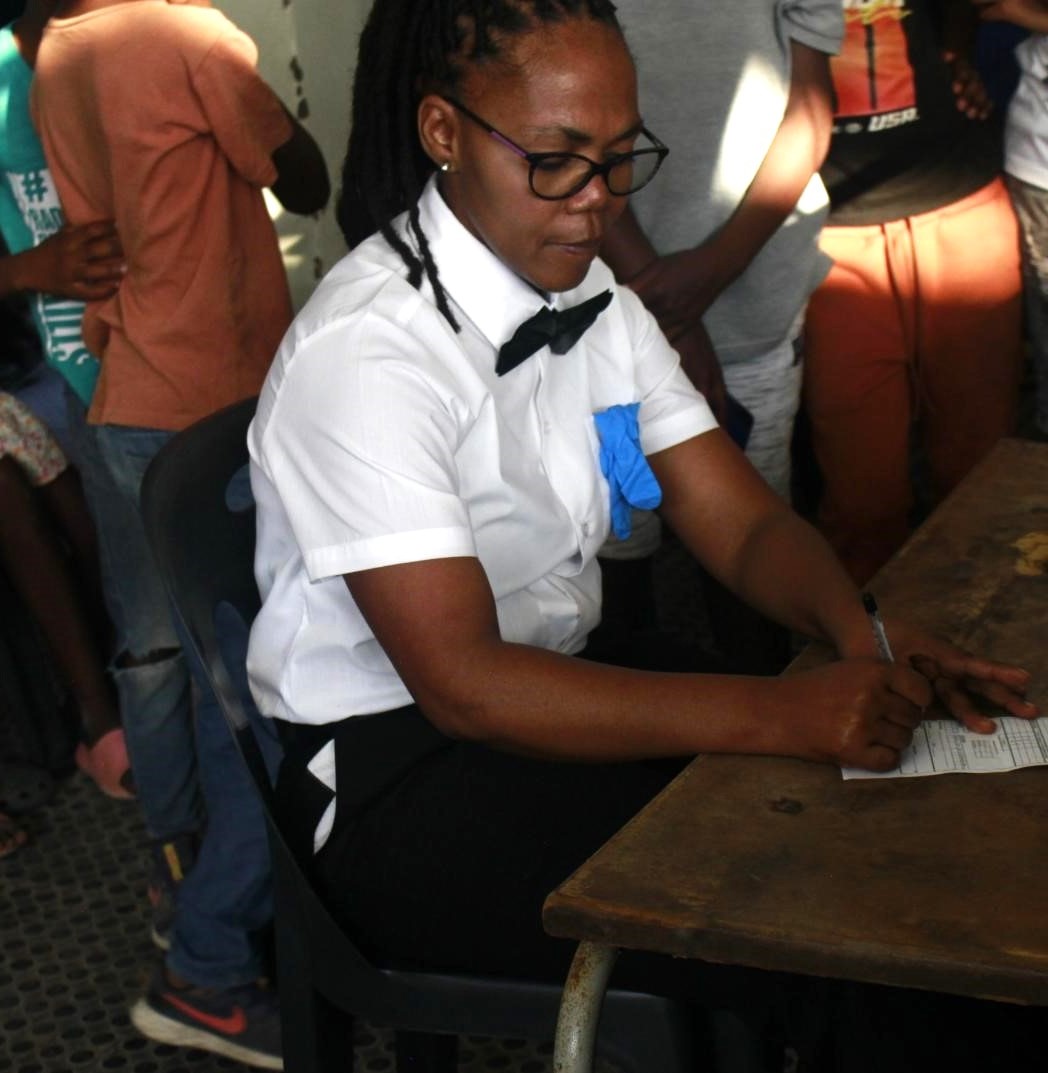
x=457, y=417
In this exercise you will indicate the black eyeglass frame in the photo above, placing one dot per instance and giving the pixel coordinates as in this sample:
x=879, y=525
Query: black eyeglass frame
x=535, y=160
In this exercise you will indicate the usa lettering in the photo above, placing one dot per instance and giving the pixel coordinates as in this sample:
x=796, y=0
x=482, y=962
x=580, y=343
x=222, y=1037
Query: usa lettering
x=892, y=119
x=874, y=6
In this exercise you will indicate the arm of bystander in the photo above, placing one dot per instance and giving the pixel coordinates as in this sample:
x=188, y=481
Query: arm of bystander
x=680, y=287
x=84, y=262
x=302, y=184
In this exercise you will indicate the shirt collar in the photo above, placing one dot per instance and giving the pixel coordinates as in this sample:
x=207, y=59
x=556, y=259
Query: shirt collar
x=493, y=297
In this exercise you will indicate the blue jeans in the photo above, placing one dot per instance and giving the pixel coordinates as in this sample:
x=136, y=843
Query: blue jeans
x=154, y=692
x=104, y=503
x=182, y=753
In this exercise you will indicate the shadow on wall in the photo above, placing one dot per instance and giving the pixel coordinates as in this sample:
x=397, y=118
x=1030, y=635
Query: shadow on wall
x=306, y=53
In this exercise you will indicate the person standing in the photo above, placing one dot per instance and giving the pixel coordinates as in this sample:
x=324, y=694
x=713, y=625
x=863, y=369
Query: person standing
x=153, y=114
x=1026, y=168
x=58, y=267
x=915, y=336
x=724, y=250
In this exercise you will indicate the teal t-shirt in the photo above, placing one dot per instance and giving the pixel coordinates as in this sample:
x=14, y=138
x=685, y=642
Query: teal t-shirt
x=30, y=212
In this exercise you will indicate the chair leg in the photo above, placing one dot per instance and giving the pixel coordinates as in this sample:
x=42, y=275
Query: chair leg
x=337, y=1053
x=426, y=1052
x=317, y=1036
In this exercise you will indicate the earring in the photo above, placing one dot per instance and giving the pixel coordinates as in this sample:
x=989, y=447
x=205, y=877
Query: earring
x=445, y=167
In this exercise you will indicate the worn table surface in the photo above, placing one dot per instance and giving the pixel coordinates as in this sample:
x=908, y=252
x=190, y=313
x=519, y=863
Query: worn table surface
x=936, y=882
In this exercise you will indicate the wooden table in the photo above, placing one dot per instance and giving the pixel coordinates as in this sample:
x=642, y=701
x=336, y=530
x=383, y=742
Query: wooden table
x=933, y=882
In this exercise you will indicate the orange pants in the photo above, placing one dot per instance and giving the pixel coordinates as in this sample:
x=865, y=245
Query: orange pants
x=917, y=330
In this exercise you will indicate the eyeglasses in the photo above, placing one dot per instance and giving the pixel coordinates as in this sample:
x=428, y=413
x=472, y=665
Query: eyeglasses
x=555, y=176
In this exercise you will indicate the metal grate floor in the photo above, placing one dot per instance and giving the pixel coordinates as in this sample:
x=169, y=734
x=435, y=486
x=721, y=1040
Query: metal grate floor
x=75, y=952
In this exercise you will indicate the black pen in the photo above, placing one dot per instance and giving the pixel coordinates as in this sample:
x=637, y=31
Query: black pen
x=884, y=649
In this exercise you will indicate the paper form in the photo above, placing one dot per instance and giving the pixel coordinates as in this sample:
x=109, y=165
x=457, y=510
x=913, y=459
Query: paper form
x=943, y=745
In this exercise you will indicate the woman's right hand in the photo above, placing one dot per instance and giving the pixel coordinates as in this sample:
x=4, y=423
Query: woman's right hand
x=856, y=713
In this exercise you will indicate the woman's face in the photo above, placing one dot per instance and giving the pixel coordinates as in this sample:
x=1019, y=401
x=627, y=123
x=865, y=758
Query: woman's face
x=567, y=87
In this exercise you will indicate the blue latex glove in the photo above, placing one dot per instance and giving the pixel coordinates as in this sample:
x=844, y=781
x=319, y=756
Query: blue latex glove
x=622, y=462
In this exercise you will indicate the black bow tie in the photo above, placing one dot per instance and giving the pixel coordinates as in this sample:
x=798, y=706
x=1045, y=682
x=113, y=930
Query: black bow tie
x=559, y=329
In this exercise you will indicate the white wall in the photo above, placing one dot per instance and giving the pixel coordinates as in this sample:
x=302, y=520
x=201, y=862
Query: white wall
x=307, y=50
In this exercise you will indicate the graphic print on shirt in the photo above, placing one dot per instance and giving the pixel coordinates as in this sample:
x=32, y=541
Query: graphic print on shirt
x=873, y=77
x=61, y=318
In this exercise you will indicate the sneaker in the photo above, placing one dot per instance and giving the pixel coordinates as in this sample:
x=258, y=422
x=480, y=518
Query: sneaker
x=242, y=1023
x=172, y=860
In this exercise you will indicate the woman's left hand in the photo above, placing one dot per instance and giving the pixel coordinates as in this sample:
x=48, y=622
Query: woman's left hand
x=965, y=683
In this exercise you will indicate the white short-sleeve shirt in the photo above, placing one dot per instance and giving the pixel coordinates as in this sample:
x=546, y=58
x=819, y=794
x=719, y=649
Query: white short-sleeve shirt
x=383, y=436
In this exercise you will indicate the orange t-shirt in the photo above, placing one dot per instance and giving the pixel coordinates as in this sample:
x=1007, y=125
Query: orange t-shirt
x=153, y=115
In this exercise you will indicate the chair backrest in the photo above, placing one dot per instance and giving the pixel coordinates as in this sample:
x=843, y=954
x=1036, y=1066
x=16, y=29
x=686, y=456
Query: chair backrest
x=205, y=551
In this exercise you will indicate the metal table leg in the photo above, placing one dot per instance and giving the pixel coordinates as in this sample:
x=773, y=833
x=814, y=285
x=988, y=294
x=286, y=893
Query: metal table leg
x=580, y=1007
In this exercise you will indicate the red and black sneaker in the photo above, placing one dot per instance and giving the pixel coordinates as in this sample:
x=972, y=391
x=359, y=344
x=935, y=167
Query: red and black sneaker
x=242, y=1023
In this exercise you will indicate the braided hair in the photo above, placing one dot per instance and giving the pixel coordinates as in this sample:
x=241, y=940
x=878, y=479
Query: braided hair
x=407, y=48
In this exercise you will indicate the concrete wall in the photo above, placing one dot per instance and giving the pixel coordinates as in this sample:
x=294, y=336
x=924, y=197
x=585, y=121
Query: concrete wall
x=307, y=50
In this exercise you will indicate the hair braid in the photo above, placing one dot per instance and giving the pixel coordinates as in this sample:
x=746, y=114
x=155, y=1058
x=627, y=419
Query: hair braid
x=406, y=45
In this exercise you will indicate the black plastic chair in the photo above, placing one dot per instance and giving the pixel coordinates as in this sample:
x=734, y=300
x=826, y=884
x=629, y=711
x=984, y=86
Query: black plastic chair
x=205, y=553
